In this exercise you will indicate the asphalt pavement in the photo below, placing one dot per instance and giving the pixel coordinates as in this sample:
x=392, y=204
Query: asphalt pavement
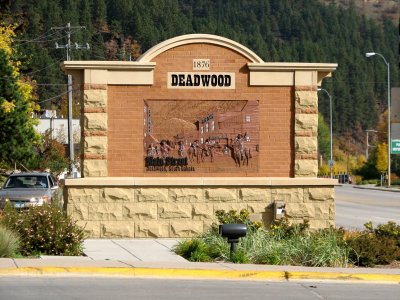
x=155, y=258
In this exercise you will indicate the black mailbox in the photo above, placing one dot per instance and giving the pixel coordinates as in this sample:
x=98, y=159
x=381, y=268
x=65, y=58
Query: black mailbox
x=233, y=232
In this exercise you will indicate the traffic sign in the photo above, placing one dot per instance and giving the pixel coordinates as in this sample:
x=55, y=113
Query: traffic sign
x=395, y=147
x=331, y=162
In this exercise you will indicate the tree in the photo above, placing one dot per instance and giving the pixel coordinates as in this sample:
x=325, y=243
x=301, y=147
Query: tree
x=381, y=157
x=17, y=102
x=323, y=138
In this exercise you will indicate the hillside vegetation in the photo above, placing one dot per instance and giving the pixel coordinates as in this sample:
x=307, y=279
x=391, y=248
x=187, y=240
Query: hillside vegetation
x=277, y=30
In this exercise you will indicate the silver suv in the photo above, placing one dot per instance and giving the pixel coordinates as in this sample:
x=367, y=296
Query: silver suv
x=24, y=190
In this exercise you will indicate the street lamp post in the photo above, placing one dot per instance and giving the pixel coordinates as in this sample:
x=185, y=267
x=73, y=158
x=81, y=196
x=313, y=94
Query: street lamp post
x=369, y=54
x=330, y=123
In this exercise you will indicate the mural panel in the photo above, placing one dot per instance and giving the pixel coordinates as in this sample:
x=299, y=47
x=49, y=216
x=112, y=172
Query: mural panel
x=201, y=136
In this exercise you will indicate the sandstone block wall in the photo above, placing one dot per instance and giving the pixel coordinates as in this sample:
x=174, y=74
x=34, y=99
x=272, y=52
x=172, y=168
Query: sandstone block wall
x=184, y=211
x=306, y=132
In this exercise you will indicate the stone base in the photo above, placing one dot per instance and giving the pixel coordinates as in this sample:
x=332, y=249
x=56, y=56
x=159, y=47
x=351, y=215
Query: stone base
x=111, y=207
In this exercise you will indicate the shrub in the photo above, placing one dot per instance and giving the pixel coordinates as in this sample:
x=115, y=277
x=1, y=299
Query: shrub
x=233, y=216
x=44, y=230
x=9, y=242
x=375, y=246
x=368, y=250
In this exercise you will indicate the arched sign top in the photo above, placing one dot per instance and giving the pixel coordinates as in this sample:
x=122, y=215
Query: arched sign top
x=199, y=39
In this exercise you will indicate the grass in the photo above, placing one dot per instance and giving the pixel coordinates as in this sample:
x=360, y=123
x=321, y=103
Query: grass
x=9, y=243
x=323, y=248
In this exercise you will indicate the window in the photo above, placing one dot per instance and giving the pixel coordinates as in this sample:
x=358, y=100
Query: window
x=206, y=127
x=212, y=126
x=248, y=119
x=201, y=130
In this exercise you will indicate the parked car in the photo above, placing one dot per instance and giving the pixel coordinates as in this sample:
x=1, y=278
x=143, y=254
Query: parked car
x=24, y=190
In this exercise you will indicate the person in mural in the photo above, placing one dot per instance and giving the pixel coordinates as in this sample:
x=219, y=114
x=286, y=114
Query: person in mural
x=240, y=151
x=208, y=150
x=195, y=151
x=152, y=150
x=181, y=149
x=164, y=149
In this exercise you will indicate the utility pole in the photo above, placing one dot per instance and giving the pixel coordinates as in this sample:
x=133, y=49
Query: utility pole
x=366, y=150
x=69, y=46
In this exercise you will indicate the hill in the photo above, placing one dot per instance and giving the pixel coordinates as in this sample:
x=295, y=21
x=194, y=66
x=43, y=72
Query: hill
x=277, y=30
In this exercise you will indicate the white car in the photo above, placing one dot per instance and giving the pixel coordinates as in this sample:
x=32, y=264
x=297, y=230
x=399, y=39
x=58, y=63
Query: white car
x=24, y=190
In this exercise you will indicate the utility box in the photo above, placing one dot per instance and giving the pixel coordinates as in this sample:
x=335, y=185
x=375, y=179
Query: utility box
x=279, y=210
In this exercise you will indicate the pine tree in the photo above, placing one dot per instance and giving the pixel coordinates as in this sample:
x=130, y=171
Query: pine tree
x=17, y=134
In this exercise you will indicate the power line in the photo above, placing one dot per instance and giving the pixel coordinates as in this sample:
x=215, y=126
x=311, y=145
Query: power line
x=69, y=46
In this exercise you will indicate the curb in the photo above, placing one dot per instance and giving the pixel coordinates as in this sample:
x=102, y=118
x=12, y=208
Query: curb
x=377, y=189
x=202, y=274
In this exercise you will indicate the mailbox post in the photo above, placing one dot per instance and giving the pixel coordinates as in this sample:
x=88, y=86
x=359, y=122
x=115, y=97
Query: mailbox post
x=233, y=232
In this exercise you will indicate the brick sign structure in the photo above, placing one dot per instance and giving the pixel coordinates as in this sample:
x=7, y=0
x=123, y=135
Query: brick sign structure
x=198, y=123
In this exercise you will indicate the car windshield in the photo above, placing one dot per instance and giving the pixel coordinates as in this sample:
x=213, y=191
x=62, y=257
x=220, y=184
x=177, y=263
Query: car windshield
x=26, y=182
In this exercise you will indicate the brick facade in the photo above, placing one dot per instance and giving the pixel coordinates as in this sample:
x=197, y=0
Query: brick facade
x=114, y=125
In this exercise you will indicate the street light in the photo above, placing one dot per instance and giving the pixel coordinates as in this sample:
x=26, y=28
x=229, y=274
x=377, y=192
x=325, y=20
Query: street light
x=330, y=121
x=369, y=54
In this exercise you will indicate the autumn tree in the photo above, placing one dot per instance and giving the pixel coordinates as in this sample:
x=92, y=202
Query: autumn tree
x=381, y=158
x=17, y=103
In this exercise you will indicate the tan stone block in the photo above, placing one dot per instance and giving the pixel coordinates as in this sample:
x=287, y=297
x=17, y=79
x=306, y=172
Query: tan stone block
x=105, y=212
x=152, y=229
x=95, y=121
x=85, y=195
x=203, y=211
x=221, y=195
x=208, y=223
x=118, y=229
x=320, y=224
x=174, y=211
x=300, y=210
x=95, y=144
x=257, y=207
x=332, y=210
x=287, y=195
x=78, y=211
x=322, y=210
x=91, y=228
x=255, y=194
x=306, y=99
x=139, y=211
x=319, y=194
x=117, y=195
x=306, y=122
x=306, y=145
x=306, y=168
x=152, y=195
x=95, y=98
x=186, y=195
x=95, y=168
x=182, y=229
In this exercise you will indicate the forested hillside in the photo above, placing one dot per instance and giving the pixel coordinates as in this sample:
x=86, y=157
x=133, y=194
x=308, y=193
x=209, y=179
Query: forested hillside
x=277, y=30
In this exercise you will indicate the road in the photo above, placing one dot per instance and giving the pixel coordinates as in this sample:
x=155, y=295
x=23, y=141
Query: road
x=354, y=207
x=46, y=288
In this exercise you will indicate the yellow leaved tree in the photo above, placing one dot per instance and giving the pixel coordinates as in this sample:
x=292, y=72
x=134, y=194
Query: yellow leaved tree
x=381, y=157
x=17, y=102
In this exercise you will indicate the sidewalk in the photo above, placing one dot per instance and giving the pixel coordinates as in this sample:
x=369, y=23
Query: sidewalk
x=154, y=258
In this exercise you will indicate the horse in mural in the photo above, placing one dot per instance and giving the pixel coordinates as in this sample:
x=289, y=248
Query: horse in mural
x=194, y=152
x=241, y=154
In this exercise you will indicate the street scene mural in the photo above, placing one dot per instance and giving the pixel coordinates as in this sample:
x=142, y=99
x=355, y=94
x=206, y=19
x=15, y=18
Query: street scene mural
x=201, y=136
